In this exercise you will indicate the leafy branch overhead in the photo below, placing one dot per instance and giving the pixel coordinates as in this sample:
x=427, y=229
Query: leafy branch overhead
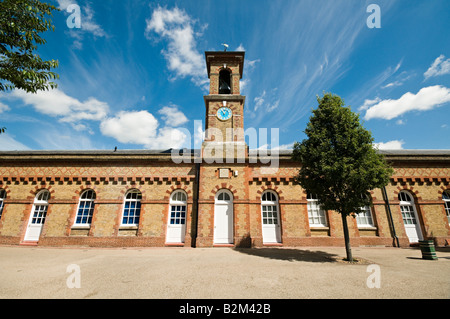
x=21, y=25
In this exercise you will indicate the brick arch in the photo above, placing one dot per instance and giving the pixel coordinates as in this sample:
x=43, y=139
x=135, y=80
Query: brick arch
x=175, y=188
x=442, y=190
x=275, y=189
x=83, y=188
x=6, y=189
x=39, y=188
x=223, y=186
x=130, y=187
x=414, y=193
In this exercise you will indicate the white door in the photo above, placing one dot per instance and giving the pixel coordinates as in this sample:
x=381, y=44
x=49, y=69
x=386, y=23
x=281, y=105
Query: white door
x=37, y=219
x=410, y=218
x=176, y=226
x=271, y=231
x=223, y=218
x=270, y=224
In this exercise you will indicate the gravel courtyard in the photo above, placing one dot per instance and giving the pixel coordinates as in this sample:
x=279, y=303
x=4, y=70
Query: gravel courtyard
x=221, y=273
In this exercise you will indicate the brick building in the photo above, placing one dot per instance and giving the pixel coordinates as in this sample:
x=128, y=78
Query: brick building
x=221, y=195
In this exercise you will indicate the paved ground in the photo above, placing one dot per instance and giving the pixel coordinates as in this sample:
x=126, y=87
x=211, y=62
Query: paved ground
x=172, y=273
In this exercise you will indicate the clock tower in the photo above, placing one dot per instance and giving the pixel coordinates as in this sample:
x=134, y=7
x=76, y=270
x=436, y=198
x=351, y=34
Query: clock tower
x=224, y=123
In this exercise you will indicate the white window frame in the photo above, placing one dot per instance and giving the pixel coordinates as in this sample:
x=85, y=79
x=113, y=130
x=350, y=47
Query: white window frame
x=40, y=206
x=2, y=198
x=364, y=219
x=137, y=202
x=271, y=202
x=91, y=205
x=407, y=206
x=178, y=199
x=446, y=199
x=316, y=215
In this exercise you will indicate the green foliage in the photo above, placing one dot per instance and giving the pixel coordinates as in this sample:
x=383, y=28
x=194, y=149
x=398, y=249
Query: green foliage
x=339, y=162
x=21, y=23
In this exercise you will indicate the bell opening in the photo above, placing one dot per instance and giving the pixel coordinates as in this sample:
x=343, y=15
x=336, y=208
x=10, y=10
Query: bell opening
x=224, y=82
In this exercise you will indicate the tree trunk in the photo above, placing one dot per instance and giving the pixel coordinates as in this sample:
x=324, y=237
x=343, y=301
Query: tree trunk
x=348, y=249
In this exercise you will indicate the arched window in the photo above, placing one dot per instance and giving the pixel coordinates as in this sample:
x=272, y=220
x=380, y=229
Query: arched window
x=407, y=208
x=317, y=216
x=269, y=206
x=2, y=197
x=85, y=208
x=410, y=217
x=37, y=216
x=224, y=82
x=446, y=199
x=224, y=196
x=178, y=202
x=132, y=208
x=40, y=207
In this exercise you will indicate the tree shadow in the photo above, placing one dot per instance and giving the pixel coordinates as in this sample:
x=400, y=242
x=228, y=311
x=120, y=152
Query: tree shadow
x=289, y=254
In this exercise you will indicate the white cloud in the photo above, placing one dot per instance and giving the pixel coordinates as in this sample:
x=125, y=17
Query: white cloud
x=440, y=66
x=182, y=56
x=56, y=103
x=8, y=143
x=391, y=145
x=268, y=101
x=273, y=106
x=396, y=83
x=3, y=107
x=141, y=127
x=426, y=99
x=282, y=147
x=259, y=100
x=172, y=116
x=63, y=4
x=369, y=103
x=240, y=48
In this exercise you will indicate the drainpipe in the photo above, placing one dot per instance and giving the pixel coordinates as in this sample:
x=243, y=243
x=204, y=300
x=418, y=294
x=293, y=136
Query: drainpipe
x=195, y=204
x=386, y=199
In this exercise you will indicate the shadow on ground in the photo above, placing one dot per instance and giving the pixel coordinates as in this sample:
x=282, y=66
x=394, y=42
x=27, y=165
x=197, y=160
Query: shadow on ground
x=289, y=254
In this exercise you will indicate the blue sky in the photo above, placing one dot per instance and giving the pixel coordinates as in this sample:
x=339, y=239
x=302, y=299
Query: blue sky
x=134, y=75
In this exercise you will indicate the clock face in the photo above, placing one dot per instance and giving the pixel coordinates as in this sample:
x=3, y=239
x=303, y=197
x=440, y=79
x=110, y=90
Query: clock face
x=224, y=113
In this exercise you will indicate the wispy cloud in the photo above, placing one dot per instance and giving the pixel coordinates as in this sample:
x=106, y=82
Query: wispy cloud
x=266, y=102
x=440, y=66
x=426, y=99
x=312, y=56
x=372, y=86
x=8, y=143
x=182, y=55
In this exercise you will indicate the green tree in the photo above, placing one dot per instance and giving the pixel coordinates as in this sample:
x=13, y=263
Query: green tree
x=21, y=23
x=338, y=161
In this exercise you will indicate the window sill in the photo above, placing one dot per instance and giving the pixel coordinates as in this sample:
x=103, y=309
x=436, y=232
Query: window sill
x=81, y=227
x=367, y=228
x=131, y=227
x=319, y=228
